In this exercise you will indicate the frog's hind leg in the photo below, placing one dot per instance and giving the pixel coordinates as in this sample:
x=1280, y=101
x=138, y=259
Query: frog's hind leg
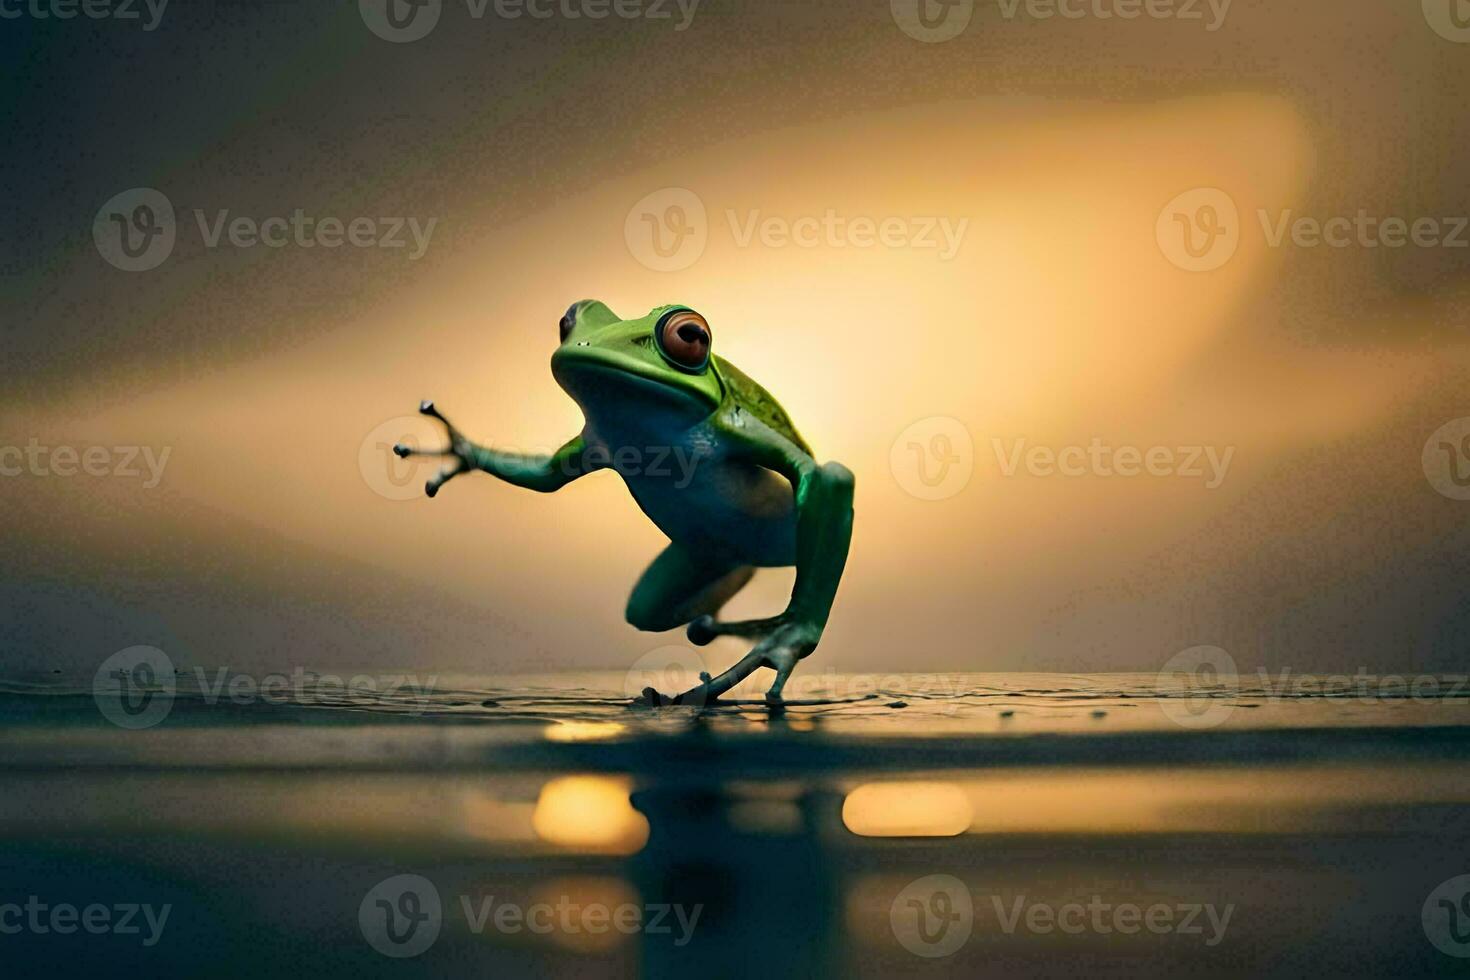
x=824, y=530
x=681, y=586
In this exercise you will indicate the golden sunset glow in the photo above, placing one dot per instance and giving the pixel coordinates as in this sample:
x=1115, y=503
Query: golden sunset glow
x=590, y=813
x=734, y=488
x=584, y=731
x=907, y=809
x=1057, y=321
x=1136, y=801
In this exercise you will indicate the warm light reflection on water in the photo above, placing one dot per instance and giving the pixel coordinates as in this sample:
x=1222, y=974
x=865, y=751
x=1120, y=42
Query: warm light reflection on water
x=907, y=809
x=584, y=731
x=596, y=913
x=590, y=813
x=1118, y=801
x=489, y=818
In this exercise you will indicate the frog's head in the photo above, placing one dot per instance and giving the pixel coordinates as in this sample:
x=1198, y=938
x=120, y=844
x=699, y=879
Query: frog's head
x=659, y=362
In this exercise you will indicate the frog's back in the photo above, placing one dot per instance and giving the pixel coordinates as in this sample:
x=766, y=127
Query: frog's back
x=758, y=401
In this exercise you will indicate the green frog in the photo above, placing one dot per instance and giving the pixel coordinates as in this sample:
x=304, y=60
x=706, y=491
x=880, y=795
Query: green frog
x=749, y=493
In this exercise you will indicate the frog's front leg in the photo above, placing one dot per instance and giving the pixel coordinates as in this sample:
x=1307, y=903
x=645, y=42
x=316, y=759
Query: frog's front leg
x=823, y=501
x=534, y=472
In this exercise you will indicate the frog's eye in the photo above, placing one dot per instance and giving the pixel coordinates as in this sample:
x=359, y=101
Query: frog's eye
x=568, y=321
x=684, y=338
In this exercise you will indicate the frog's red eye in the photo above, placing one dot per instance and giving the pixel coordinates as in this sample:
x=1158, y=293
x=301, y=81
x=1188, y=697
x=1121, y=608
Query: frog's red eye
x=684, y=337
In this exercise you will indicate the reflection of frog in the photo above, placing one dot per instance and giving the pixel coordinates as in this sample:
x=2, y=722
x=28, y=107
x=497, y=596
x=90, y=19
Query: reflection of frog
x=650, y=388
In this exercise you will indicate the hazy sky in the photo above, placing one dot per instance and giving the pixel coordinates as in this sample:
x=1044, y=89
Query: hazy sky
x=885, y=231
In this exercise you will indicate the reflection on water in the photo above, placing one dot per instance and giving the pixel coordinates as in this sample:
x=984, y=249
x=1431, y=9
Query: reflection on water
x=560, y=829
x=593, y=706
x=590, y=813
x=580, y=901
x=907, y=809
x=584, y=731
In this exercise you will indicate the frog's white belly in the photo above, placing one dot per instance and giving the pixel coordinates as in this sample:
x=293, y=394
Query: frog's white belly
x=708, y=502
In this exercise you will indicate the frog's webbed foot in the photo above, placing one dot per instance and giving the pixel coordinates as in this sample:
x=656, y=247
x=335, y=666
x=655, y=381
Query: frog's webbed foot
x=459, y=447
x=694, y=697
x=781, y=649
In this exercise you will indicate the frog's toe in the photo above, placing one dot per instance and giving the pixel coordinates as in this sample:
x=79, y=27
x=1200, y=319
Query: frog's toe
x=783, y=660
x=696, y=697
x=444, y=476
x=702, y=631
x=403, y=451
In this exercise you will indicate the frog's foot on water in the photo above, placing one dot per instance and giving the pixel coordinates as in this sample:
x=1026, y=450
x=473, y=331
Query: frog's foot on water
x=654, y=699
x=784, y=646
x=459, y=447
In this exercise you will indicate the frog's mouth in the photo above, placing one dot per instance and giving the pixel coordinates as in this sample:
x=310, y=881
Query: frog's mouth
x=607, y=383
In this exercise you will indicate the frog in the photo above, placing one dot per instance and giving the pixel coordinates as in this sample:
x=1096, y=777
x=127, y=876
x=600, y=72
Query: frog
x=751, y=494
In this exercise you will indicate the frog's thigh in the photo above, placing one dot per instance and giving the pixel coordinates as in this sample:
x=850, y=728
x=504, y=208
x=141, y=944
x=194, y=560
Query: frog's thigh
x=680, y=586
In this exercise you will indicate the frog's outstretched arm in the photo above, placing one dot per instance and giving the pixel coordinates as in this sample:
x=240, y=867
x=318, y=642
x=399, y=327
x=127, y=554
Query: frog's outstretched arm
x=541, y=473
x=823, y=500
